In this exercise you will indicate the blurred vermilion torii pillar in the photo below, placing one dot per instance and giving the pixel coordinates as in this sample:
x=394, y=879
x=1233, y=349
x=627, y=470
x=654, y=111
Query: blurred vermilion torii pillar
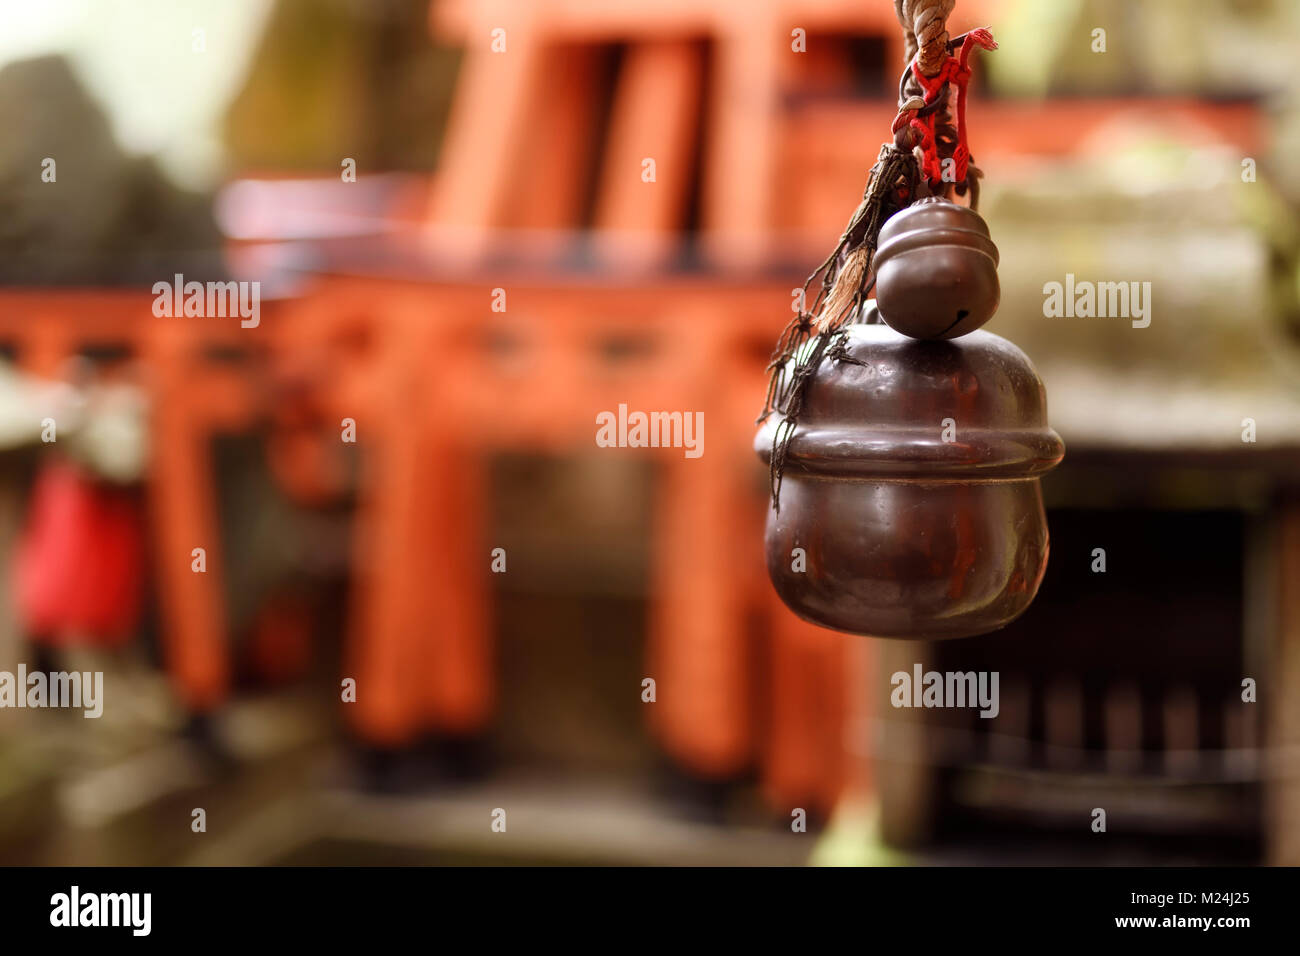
x=727, y=700
x=182, y=496
x=420, y=646
x=700, y=651
x=812, y=727
x=190, y=398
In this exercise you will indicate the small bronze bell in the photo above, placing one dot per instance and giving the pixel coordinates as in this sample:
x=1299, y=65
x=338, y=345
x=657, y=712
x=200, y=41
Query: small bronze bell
x=936, y=271
x=911, y=483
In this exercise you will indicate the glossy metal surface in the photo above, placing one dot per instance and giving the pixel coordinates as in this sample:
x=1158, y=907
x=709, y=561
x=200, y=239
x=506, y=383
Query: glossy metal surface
x=907, y=535
x=936, y=271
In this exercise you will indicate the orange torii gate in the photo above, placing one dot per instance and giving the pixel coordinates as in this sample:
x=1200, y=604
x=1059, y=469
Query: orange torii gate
x=422, y=648
x=420, y=644
x=527, y=101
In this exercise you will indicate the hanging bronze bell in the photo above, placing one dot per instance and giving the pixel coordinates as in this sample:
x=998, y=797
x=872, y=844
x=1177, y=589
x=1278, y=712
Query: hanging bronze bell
x=910, y=504
x=936, y=270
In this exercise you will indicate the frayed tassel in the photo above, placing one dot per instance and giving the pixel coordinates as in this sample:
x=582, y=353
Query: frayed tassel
x=846, y=292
